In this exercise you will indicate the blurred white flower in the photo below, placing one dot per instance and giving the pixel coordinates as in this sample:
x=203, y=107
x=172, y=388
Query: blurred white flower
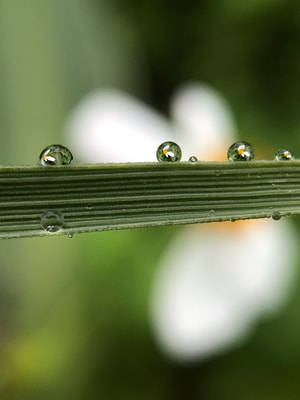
x=214, y=281
x=110, y=126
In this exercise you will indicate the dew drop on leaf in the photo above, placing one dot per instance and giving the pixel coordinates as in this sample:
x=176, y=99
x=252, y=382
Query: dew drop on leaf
x=276, y=216
x=168, y=152
x=55, y=155
x=283, y=154
x=52, y=221
x=240, y=151
x=193, y=159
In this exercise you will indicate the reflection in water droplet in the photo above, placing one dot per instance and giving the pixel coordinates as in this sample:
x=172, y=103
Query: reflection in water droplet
x=284, y=155
x=168, y=152
x=276, y=216
x=193, y=159
x=52, y=221
x=55, y=155
x=240, y=151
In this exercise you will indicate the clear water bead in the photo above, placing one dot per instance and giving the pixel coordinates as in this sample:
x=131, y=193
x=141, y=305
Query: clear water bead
x=276, y=216
x=52, y=221
x=168, y=152
x=240, y=151
x=55, y=155
x=283, y=154
x=193, y=159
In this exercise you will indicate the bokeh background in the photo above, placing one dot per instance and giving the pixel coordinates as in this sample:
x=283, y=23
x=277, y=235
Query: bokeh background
x=74, y=312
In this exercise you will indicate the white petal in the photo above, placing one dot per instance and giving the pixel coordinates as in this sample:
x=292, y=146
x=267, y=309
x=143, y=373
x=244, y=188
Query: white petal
x=214, y=283
x=204, y=121
x=111, y=126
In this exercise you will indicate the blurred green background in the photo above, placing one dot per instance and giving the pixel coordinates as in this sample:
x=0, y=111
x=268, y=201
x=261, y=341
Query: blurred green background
x=74, y=312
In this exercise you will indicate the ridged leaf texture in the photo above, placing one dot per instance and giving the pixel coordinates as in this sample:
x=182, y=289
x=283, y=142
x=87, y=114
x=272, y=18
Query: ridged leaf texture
x=104, y=197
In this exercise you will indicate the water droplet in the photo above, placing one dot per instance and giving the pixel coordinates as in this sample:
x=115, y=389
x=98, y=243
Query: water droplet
x=283, y=154
x=52, y=221
x=212, y=213
x=168, y=152
x=55, y=155
x=240, y=151
x=276, y=216
x=70, y=235
x=193, y=159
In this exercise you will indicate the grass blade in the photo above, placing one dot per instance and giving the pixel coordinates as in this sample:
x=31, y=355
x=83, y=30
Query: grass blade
x=103, y=197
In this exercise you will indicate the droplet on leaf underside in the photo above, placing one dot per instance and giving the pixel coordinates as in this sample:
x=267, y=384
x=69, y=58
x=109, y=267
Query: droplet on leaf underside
x=52, y=221
x=276, y=216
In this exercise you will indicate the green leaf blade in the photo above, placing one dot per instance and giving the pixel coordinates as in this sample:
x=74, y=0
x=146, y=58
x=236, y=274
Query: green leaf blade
x=103, y=197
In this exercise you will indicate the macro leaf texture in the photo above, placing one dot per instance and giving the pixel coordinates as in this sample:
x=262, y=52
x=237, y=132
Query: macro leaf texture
x=100, y=197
